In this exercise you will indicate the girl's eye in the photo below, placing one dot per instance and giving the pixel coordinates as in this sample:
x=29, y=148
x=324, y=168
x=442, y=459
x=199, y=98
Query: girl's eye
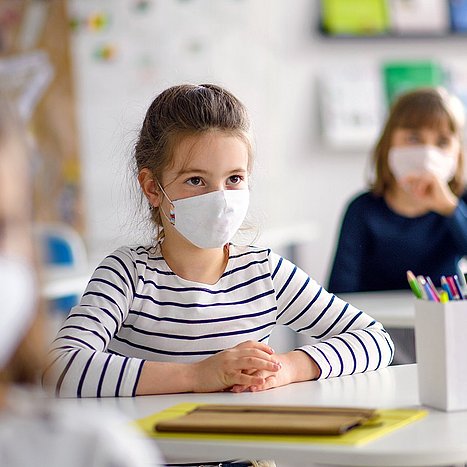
x=235, y=179
x=444, y=142
x=413, y=138
x=194, y=181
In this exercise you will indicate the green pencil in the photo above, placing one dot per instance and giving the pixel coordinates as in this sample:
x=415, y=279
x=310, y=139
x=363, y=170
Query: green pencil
x=414, y=284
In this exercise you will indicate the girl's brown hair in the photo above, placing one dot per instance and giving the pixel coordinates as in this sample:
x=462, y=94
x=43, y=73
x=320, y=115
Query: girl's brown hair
x=422, y=108
x=183, y=111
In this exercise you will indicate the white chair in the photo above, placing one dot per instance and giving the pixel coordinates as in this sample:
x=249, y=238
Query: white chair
x=60, y=244
x=64, y=261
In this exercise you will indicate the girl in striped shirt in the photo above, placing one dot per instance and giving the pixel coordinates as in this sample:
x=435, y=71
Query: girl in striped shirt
x=193, y=312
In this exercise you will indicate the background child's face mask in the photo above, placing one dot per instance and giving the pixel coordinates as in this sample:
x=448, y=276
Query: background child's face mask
x=416, y=160
x=17, y=292
x=210, y=220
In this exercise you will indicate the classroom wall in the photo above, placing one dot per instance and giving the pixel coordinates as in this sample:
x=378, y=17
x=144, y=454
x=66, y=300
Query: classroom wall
x=268, y=53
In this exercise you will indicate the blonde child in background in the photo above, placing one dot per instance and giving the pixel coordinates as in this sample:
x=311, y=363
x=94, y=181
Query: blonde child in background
x=34, y=430
x=192, y=312
x=415, y=215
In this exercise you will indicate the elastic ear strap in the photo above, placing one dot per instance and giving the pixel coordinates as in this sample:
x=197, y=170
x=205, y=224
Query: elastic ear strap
x=163, y=191
x=171, y=219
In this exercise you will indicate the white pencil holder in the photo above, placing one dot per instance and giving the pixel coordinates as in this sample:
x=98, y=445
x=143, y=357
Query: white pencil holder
x=441, y=346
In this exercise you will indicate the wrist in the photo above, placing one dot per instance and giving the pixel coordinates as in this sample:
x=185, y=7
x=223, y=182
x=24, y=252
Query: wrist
x=191, y=376
x=301, y=366
x=449, y=206
x=166, y=378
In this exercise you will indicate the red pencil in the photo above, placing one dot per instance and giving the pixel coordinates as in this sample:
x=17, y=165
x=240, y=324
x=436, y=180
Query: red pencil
x=453, y=287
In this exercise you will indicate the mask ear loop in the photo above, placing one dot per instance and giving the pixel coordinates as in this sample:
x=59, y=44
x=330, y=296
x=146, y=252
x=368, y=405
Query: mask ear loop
x=171, y=219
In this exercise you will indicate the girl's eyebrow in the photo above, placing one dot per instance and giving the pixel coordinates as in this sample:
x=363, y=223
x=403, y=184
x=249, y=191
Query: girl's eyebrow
x=241, y=170
x=189, y=170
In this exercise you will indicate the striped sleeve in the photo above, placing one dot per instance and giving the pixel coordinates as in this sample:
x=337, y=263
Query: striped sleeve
x=80, y=363
x=346, y=340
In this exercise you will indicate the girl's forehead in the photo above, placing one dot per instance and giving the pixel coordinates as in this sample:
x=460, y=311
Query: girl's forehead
x=442, y=128
x=208, y=148
x=424, y=118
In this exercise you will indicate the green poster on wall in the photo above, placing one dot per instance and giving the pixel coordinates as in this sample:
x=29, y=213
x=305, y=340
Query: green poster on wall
x=400, y=77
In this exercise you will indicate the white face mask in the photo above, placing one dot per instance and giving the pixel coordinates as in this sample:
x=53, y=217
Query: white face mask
x=414, y=160
x=210, y=220
x=17, y=294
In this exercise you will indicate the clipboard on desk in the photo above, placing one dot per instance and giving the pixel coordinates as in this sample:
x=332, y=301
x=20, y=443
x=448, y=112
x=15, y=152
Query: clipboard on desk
x=268, y=419
x=388, y=420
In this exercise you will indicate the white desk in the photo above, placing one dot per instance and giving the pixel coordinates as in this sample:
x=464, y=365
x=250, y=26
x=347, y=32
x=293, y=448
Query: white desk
x=394, y=308
x=438, y=439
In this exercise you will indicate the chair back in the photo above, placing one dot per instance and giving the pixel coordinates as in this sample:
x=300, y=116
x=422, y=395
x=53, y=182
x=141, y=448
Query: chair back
x=60, y=245
x=62, y=250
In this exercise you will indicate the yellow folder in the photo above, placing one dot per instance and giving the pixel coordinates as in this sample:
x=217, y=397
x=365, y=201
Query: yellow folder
x=386, y=421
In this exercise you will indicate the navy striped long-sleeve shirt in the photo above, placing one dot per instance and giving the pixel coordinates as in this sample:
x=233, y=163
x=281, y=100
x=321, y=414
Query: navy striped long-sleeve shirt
x=136, y=309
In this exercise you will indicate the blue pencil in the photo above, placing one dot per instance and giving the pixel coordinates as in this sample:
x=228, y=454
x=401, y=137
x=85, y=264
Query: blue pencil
x=427, y=289
x=433, y=288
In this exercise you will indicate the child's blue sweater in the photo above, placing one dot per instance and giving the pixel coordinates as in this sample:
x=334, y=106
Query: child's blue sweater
x=377, y=246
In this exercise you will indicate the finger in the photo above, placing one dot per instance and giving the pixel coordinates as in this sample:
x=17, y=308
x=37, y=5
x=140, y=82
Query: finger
x=256, y=345
x=410, y=178
x=246, y=380
x=239, y=388
x=247, y=364
x=422, y=189
x=246, y=352
x=414, y=182
x=250, y=359
x=269, y=383
x=417, y=186
x=243, y=388
x=407, y=184
x=415, y=177
x=264, y=375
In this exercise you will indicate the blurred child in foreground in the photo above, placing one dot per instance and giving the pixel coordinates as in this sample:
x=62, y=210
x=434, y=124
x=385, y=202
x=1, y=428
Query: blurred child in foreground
x=35, y=430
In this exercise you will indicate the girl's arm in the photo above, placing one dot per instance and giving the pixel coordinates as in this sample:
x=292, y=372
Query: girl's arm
x=347, y=341
x=80, y=364
x=346, y=273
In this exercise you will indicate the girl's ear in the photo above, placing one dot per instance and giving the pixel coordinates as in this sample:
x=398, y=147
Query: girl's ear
x=149, y=187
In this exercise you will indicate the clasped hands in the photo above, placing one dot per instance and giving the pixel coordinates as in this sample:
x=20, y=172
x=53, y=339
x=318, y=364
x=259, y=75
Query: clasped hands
x=252, y=366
